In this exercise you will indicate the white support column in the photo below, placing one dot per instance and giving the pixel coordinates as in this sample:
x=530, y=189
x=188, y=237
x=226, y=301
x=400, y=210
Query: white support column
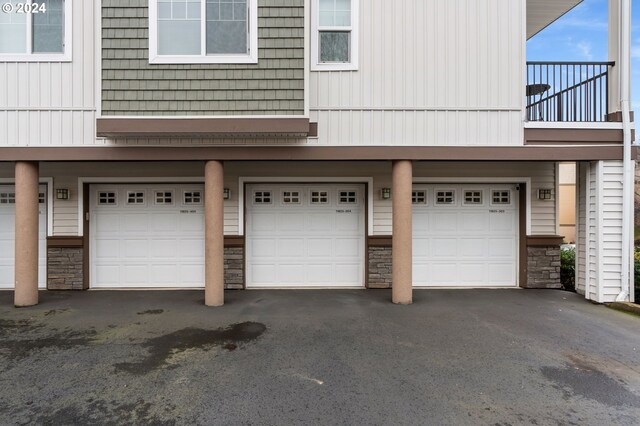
x=26, y=235
x=214, y=233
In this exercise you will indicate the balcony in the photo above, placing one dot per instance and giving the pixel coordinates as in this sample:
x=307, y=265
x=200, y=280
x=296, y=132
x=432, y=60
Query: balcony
x=567, y=91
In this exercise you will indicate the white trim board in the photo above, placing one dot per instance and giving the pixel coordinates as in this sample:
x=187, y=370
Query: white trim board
x=46, y=181
x=244, y=180
x=202, y=117
x=515, y=180
x=571, y=125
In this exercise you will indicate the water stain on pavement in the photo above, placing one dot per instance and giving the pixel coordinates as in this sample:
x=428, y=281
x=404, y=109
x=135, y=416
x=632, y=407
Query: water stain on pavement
x=581, y=379
x=14, y=347
x=162, y=348
x=8, y=327
x=151, y=312
x=99, y=411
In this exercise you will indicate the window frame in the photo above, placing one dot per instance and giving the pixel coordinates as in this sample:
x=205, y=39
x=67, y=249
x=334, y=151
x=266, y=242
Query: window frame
x=203, y=58
x=352, y=65
x=65, y=56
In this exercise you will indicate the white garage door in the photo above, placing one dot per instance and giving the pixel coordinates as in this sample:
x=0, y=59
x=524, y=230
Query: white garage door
x=465, y=235
x=7, y=237
x=148, y=235
x=305, y=235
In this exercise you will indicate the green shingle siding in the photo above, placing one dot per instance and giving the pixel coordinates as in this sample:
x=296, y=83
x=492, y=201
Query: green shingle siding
x=132, y=86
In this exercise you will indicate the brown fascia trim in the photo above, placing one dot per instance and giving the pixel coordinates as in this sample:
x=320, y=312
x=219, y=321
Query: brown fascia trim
x=201, y=127
x=65, y=242
x=617, y=117
x=315, y=153
x=379, y=240
x=573, y=136
x=544, y=240
x=234, y=240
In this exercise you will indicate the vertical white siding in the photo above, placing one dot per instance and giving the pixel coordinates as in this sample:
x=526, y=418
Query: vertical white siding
x=581, y=226
x=602, y=231
x=611, y=222
x=593, y=234
x=438, y=72
x=52, y=103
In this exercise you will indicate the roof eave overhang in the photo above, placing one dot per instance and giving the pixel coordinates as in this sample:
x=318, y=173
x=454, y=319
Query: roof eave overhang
x=542, y=13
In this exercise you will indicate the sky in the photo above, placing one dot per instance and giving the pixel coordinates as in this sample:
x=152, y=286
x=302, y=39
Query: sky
x=581, y=35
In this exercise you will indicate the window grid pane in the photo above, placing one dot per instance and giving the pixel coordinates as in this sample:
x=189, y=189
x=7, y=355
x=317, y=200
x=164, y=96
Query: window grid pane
x=335, y=46
x=48, y=28
x=13, y=30
x=227, y=27
x=335, y=13
x=179, y=23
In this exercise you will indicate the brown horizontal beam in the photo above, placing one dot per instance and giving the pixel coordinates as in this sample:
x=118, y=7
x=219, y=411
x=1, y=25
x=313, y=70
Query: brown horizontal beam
x=571, y=136
x=544, y=240
x=316, y=153
x=65, y=242
x=234, y=240
x=379, y=241
x=201, y=127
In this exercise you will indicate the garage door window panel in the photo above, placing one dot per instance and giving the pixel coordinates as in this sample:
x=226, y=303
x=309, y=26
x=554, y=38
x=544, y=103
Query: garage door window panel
x=472, y=198
x=135, y=197
x=291, y=197
x=7, y=197
x=107, y=198
x=319, y=197
x=347, y=197
x=446, y=197
x=164, y=198
x=419, y=197
x=192, y=198
x=262, y=197
x=501, y=197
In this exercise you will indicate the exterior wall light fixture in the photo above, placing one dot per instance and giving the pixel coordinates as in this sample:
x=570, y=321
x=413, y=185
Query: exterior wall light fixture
x=226, y=193
x=544, y=194
x=386, y=193
x=62, y=194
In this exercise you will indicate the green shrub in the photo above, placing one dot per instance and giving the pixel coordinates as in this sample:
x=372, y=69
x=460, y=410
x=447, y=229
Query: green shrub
x=568, y=268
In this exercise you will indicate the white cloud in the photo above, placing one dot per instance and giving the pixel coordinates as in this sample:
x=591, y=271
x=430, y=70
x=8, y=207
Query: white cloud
x=584, y=47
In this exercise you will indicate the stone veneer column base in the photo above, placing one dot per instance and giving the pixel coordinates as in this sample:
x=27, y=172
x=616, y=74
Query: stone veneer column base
x=234, y=268
x=380, y=267
x=543, y=267
x=65, y=268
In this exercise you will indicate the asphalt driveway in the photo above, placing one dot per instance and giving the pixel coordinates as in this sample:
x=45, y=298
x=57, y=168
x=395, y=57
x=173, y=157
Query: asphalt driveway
x=494, y=357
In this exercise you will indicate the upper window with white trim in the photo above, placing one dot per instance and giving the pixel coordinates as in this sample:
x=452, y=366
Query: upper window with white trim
x=203, y=31
x=334, y=41
x=35, y=31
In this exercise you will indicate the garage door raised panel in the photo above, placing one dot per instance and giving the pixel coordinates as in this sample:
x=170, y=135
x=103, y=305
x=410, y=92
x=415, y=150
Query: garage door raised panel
x=306, y=235
x=465, y=235
x=146, y=236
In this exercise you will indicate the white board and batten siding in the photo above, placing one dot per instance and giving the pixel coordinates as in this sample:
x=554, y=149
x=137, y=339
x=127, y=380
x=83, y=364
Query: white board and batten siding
x=581, y=226
x=600, y=265
x=53, y=103
x=437, y=72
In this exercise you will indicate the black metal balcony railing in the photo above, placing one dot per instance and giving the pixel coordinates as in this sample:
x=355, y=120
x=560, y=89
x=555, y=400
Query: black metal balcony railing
x=567, y=91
